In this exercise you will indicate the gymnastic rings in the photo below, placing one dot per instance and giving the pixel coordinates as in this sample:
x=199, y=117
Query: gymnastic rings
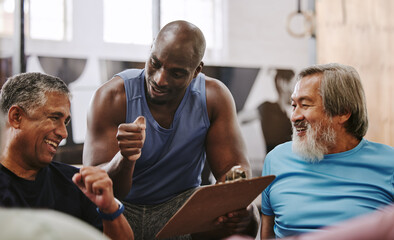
x=309, y=24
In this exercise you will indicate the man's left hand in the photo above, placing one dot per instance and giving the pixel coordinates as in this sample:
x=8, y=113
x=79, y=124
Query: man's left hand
x=237, y=222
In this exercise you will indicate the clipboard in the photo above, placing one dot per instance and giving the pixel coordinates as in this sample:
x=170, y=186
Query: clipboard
x=208, y=203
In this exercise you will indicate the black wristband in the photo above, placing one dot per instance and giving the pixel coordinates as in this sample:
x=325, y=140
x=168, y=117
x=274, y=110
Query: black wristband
x=112, y=216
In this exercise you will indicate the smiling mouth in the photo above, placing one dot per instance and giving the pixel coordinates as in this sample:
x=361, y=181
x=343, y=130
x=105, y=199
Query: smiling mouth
x=300, y=127
x=158, y=91
x=51, y=143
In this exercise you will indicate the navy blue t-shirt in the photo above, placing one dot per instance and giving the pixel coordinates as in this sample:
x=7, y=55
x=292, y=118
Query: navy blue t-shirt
x=52, y=189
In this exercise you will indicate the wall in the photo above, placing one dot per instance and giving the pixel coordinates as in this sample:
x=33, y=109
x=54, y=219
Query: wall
x=254, y=36
x=361, y=34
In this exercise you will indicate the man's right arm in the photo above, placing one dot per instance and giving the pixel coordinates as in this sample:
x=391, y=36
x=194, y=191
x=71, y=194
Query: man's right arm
x=110, y=142
x=95, y=183
x=267, y=227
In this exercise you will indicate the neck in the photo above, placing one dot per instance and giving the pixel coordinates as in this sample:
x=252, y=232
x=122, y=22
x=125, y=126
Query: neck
x=19, y=169
x=343, y=144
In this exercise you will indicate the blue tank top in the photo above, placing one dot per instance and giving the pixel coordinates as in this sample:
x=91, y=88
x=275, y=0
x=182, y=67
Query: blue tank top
x=172, y=159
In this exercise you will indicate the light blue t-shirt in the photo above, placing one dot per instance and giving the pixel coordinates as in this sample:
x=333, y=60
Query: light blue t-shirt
x=172, y=159
x=307, y=196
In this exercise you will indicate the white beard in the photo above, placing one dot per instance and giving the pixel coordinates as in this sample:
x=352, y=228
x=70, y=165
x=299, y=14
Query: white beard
x=312, y=147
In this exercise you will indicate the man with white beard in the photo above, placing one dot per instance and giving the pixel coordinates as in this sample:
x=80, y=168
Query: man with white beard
x=329, y=172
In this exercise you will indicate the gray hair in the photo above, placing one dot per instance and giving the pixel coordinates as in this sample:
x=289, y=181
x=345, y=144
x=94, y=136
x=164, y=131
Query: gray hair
x=342, y=93
x=28, y=90
x=2, y=124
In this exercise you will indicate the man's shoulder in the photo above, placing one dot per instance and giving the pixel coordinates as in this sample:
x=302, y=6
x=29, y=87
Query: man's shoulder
x=286, y=146
x=7, y=197
x=282, y=151
x=212, y=82
x=381, y=145
x=63, y=168
x=217, y=92
x=130, y=73
x=379, y=148
x=115, y=85
x=110, y=94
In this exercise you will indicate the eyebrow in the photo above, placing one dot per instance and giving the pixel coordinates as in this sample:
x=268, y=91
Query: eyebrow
x=181, y=70
x=60, y=114
x=155, y=58
x=303, y=98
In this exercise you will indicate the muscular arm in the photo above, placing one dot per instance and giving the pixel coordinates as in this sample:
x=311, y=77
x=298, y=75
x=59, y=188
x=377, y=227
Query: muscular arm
x=224, y=144
x=267, y=227
x=225, y=148
x=107, y=111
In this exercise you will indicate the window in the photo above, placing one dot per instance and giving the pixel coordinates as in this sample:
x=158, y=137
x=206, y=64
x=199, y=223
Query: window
x=7, y=17
x=199, y=12
x=44, y=19
x=50, y=19
x=128, y=21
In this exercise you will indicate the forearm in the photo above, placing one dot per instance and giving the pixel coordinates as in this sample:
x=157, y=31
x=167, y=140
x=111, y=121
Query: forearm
x=119, y=228
x=267, y=227
x=267, y=234
x=253, y=226
x=120, y=171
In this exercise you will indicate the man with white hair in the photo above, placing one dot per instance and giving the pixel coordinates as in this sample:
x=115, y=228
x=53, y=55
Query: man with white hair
x=328, y=173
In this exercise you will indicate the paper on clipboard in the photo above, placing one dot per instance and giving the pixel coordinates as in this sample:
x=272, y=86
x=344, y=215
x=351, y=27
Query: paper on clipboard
x=209, y=202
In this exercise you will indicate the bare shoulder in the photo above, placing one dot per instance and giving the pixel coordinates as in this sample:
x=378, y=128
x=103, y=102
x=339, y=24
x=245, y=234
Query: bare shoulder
x=214, y=85
x=111, y=89
x=109, y=101
x=218, y=96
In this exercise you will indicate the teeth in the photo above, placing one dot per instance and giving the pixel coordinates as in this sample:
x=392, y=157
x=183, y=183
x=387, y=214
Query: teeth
x=158, y=90
x=52, y=143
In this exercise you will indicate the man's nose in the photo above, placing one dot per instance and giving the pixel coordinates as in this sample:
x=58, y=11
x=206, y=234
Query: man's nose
x=297, y=114
x=61, y=131
x=161, y=78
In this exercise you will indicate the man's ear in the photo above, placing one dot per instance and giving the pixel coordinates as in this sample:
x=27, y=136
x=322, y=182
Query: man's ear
x=198, y=69
x=15, y=116
x=344, y=117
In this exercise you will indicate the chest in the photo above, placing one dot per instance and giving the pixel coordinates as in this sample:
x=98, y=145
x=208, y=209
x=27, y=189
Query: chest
x=164, y=117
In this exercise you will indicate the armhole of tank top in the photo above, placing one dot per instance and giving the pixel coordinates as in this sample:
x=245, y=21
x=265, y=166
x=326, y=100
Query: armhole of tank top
x=127, y=93
x=204, y=100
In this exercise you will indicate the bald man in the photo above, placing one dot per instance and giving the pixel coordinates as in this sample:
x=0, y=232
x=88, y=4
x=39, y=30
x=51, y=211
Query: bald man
x=152, y=130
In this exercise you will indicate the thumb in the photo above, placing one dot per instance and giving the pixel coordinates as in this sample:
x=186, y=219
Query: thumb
x=140, y=121
x=77, y=179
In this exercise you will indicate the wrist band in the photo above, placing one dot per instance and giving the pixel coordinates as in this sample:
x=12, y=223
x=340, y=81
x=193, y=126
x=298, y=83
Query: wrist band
x=112, y=216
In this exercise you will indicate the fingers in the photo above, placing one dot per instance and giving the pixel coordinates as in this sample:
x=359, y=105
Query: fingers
x=234, y=216
x=235, y=222
x=77, y=179
x=95, y=183
x=131, y=138
x=140, y=121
